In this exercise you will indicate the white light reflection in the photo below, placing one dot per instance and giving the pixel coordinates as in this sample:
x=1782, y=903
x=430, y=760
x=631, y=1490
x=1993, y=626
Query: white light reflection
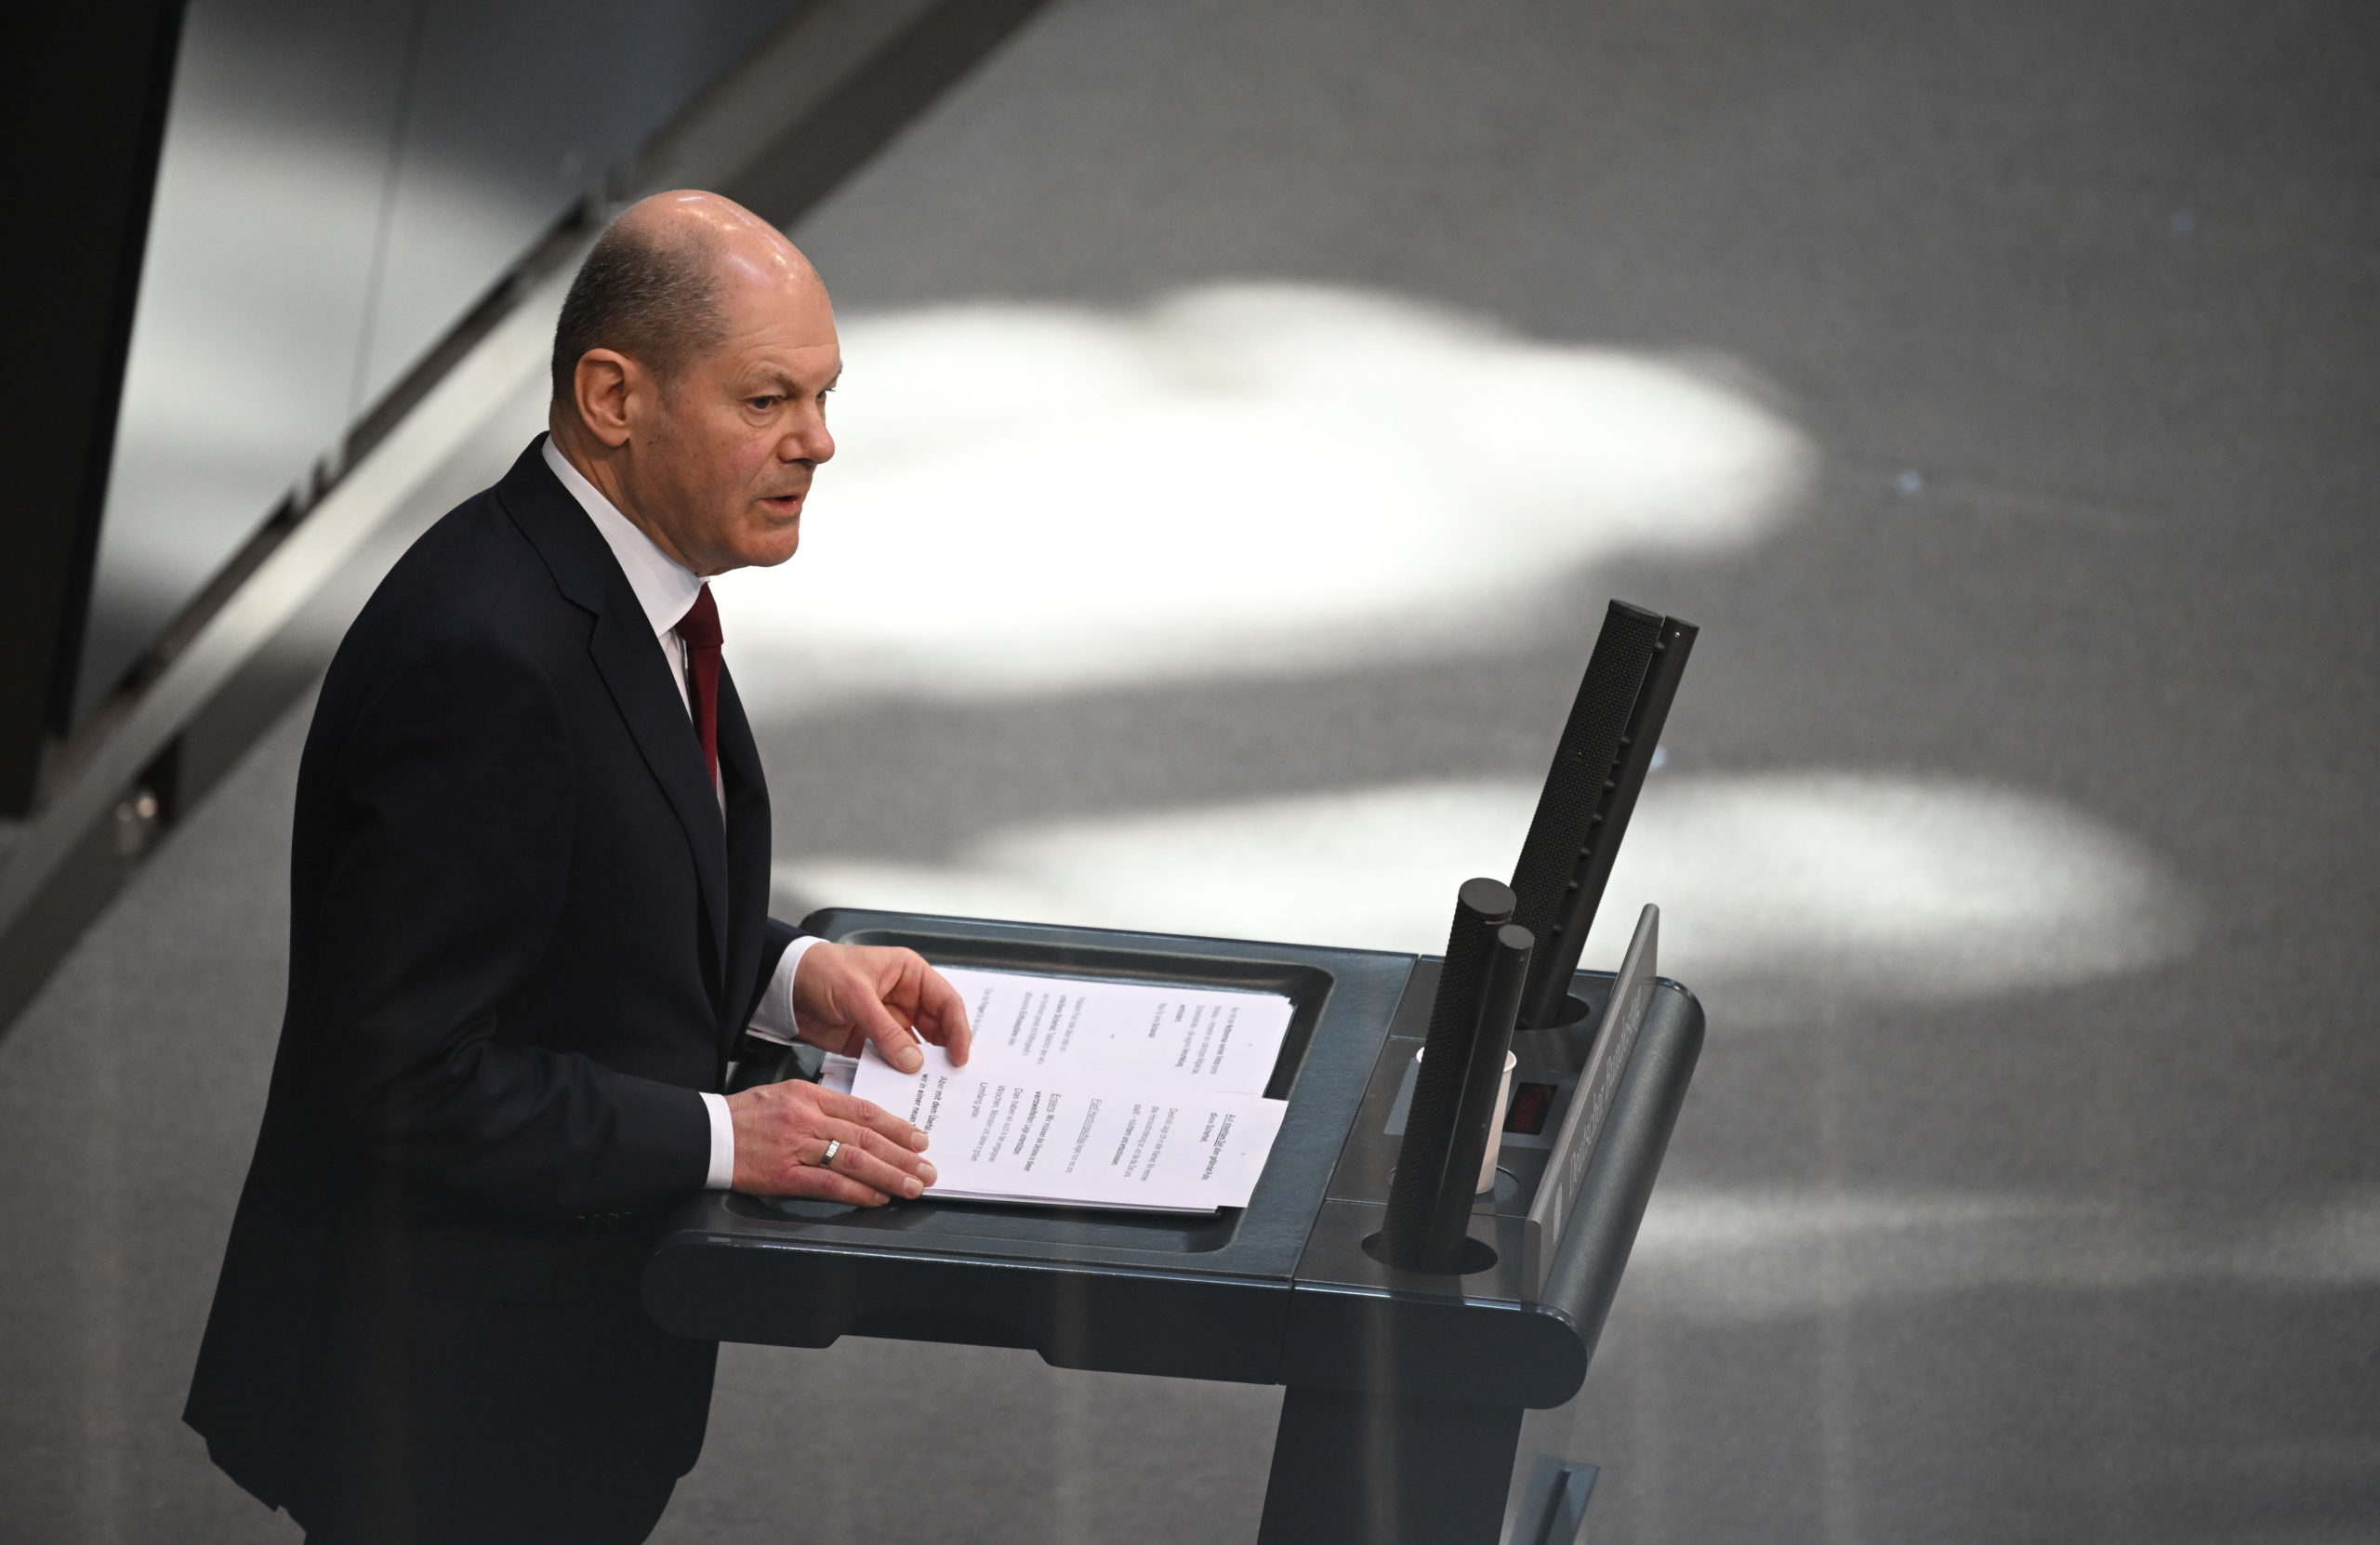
x=1239, y=478
x=1742, y=1255
x=1778, y=891
x=1270, y=477
x=240, y=364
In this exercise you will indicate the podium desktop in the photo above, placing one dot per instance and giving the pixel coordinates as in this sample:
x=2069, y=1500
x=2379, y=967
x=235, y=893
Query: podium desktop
x=1405, y=1388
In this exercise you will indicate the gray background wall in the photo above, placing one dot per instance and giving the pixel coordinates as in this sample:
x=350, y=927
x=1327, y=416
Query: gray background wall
x=340, y=183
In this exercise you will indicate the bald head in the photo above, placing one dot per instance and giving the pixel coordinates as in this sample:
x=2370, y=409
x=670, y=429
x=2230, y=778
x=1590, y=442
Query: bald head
x=659, y=284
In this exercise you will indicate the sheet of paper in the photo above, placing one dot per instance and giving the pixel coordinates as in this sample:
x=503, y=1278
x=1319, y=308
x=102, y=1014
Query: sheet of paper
x=1110, y=1142
x=1068, y=1027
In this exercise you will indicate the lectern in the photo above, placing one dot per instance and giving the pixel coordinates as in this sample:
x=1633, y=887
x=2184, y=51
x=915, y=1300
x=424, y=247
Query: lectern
x=1405, y=1390
x=1405, y=1387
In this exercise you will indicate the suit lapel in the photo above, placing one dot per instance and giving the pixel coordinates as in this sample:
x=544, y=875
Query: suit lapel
x=634, y=670
x=638, y=677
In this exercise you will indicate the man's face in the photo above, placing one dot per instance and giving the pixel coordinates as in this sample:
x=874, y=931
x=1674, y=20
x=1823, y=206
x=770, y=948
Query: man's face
x=724, y=453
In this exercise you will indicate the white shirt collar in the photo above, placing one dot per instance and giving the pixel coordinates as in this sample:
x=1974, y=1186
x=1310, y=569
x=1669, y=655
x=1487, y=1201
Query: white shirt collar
x=663, y=587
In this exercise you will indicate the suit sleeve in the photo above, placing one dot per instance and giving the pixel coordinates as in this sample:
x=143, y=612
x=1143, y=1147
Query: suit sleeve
x=454, y=857
x=776, y=939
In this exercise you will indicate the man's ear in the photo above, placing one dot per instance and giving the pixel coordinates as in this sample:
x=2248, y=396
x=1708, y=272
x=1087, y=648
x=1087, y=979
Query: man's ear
x=602, y=383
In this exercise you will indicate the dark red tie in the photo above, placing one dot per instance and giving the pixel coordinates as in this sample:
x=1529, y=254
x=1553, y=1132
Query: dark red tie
x=699, y=628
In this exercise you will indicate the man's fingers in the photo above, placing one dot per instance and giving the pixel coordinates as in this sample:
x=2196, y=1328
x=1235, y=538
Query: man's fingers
x=782, y=1132
x=894, y=1041
x=894, y=1154
x=942, y=1013
x=866, y=1170
x=846, y=994
x=869, y=1114
x=876, y=1160
x=918, y=995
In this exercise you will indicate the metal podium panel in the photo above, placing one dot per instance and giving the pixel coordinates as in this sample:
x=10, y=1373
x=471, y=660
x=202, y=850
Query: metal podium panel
x=1521, y=1332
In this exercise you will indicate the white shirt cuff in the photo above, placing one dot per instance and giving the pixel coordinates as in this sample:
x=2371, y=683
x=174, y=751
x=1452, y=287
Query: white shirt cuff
x=772, y=1021
x=722, y=1144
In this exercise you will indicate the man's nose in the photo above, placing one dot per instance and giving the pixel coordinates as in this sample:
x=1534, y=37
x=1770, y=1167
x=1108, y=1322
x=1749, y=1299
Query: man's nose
x=809, y=441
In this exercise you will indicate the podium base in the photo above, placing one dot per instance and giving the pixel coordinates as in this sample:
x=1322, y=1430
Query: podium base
x=1351, y=1469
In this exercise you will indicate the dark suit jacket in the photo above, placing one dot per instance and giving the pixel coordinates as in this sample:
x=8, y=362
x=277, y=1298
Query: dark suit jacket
x=521, y=938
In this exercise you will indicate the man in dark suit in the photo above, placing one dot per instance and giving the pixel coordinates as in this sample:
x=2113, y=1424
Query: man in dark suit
x=528, y=931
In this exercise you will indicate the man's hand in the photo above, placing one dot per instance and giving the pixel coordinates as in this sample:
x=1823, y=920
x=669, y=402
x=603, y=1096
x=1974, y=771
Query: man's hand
x=845, y=996
x=781, y=1131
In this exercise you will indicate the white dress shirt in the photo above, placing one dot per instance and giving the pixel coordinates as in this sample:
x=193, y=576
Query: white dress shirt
x=665, y=589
